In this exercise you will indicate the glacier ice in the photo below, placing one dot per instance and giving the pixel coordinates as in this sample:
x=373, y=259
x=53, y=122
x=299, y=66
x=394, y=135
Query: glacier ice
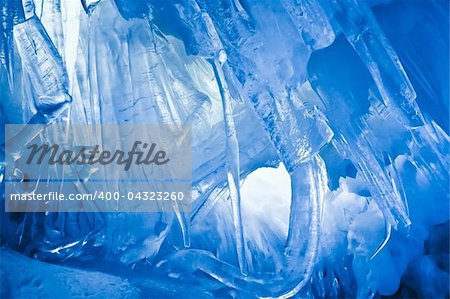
x=320, y=144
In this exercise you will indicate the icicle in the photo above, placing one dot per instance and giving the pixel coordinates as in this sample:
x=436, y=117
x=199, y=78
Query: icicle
x=308, y=184
x=301, y=249
x=232, y=156
x=183, y=221
x=397, y=183
x=44, y=66
x=387, y=237
x=218, y=59
x=47, y=74
x=362, y=31
x=381, y=188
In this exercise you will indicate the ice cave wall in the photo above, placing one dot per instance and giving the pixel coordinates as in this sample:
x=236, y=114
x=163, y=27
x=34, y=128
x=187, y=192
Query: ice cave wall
x=351, y=97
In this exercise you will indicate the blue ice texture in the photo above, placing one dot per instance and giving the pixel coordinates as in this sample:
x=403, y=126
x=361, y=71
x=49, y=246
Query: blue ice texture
x=320, y=146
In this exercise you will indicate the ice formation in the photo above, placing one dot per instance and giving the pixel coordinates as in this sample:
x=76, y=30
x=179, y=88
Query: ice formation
x=349, y=97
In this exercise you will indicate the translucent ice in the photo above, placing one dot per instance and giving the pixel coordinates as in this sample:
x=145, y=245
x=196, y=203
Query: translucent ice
x=346, y=100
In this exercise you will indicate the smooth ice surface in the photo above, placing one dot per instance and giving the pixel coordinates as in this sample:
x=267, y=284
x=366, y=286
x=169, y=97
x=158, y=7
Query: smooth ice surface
x=320, y=145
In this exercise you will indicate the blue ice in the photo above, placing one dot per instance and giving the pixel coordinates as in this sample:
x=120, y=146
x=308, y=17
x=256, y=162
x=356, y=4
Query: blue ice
x=320, y=146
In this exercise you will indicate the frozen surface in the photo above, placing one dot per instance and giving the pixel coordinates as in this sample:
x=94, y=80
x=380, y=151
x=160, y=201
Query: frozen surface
x=346, y=100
